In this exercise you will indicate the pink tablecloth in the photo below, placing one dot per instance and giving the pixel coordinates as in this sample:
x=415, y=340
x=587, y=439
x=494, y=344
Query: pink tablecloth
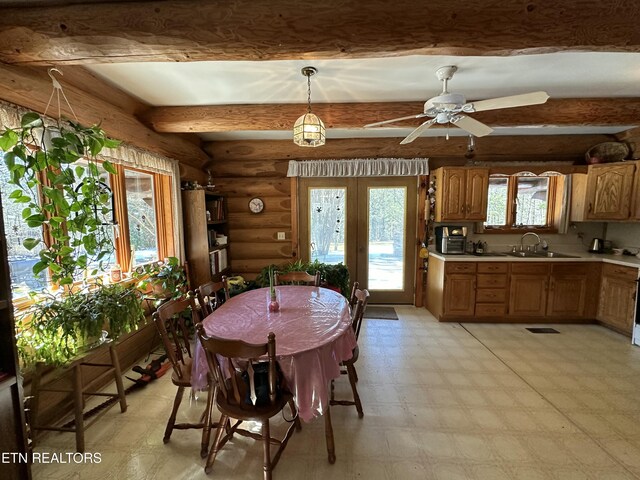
x=313, y=336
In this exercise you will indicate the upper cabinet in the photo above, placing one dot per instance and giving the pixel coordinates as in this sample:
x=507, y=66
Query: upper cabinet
x=609, y=191
x=461, y=193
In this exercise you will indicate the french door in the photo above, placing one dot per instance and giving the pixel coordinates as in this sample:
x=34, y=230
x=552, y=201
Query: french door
x=367, y=223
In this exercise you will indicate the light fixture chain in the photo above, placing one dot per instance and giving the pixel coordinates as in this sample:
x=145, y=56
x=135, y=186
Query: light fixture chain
x=308, y=93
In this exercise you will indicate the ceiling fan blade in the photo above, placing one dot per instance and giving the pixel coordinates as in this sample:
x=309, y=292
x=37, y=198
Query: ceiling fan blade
x=533, y=98
x=472, y=126
x=416, y=133
x=420, y=115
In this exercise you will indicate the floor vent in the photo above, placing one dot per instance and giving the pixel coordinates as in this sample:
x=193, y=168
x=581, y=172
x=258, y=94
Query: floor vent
x=543, y=330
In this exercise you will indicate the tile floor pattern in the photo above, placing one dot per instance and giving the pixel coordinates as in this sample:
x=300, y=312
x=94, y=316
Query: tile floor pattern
x=441, y=401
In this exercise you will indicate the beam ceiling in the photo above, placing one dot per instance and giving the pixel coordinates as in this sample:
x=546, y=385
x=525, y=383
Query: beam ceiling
x=192, y=30
x=224, y=118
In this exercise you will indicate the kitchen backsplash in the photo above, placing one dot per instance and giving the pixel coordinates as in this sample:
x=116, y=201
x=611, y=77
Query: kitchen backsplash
x=558, y=242
x=624, y=235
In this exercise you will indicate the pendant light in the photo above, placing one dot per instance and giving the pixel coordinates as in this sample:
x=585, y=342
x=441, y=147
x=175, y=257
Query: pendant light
x=308, y=131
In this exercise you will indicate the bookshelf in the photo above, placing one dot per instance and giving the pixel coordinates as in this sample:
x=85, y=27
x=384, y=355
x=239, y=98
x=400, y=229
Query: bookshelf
x=206, y=233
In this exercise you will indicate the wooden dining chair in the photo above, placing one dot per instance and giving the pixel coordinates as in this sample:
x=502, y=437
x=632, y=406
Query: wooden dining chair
x=169, y=321
x=353, y=299
x=246, y=391
x=297, y=278
x=362, y=298
x=212, y=294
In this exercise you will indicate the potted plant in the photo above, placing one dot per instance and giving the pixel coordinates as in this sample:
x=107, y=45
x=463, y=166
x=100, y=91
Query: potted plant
x=68, y=200
x=58, y=327
x=166, y=279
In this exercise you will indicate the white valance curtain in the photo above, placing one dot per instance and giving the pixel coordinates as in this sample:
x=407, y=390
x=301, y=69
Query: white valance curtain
x=126, y=155
x=359, y=167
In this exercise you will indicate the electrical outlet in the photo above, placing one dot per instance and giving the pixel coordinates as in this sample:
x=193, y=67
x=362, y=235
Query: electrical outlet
x=281, y=236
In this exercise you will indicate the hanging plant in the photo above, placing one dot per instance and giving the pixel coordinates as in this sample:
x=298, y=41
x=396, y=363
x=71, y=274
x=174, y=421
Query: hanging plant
x=67, y=199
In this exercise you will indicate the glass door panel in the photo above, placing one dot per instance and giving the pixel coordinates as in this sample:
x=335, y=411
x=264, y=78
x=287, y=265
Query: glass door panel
x=387, y=211
x=327, y=224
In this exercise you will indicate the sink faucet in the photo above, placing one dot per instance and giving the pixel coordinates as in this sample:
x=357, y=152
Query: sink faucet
x=535, y=246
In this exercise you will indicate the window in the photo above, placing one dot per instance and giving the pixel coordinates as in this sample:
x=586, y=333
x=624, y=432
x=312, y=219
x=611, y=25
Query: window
x=143, y=234
x=16, y=230
x=144, y=231
x=521, y=201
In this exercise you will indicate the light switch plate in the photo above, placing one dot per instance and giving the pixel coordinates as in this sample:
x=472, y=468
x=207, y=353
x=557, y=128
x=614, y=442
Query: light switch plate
x=281, y=236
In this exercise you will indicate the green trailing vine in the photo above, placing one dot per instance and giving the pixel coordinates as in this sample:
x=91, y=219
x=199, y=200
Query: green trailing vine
x=168, y=278
x=68, y=200
x=58, y=327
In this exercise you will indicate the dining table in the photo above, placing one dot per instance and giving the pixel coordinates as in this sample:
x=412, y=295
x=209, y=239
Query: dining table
x=313, y=336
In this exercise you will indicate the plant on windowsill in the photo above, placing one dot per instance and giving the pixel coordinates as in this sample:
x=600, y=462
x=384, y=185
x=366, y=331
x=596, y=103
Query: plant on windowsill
x=167, y=279
x=59, y=327
x=69, y=202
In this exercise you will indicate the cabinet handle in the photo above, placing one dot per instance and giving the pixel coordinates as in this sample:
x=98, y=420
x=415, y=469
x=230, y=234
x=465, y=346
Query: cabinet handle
x=589, y=209
x=463, y=208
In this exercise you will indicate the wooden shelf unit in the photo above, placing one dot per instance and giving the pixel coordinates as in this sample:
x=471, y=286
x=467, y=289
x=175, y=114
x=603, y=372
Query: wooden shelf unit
x=207, y=259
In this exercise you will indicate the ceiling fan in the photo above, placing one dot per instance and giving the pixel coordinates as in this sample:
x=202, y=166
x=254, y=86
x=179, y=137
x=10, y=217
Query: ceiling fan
x=451, y=108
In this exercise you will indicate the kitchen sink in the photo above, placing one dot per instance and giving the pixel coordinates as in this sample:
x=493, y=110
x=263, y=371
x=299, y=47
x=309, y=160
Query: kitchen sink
x=489, y=254
x=541, y=255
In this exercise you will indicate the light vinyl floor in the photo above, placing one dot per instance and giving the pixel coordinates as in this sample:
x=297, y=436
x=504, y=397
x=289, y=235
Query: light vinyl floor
x=441, y=401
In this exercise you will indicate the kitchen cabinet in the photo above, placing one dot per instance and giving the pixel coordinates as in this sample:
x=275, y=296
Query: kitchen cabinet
x=459, y=289
x=617, y=297
x=635, y=200
x=206, y=236
x=572, y=290
x=528, y=289
x=461, y=194
x=608, y=194
x=492, y=280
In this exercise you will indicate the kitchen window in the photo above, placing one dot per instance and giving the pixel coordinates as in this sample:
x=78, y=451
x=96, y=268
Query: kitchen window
x=522, y=201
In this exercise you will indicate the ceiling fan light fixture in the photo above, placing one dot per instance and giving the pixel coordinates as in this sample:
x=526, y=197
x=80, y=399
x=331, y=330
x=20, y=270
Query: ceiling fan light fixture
x=309, y=131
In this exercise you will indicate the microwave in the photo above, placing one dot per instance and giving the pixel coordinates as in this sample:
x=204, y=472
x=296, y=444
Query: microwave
x=451, y=240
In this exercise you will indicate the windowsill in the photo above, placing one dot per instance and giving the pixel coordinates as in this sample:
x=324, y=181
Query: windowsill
x=517, y=230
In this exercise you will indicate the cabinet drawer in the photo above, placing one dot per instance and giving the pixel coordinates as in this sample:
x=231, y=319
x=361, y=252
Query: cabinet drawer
x=502, y=267
x=460, y=267
x=491, y=295
x=530, y=268
x=486, y=280
x=570, y=269
x=490, y=309
x=620, y=272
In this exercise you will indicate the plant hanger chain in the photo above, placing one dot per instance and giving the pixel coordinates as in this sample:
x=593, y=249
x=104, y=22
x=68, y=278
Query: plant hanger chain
x=57, y=90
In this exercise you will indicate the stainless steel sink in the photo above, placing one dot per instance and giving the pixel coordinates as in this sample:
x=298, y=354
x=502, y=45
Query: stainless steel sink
x=489, y=254
x=554, y=255
x=541, y=255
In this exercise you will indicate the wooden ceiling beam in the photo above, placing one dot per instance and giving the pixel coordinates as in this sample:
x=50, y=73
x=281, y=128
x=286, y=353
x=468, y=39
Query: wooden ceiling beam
x=225, y=118
x=31, y=88
x=190, y=30
x=525, y=147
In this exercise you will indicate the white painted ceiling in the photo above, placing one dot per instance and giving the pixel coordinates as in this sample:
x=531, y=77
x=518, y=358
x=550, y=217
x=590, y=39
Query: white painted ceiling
x=409, y=78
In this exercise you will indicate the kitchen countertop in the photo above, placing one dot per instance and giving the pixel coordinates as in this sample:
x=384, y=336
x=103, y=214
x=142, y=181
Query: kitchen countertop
x=625, y=260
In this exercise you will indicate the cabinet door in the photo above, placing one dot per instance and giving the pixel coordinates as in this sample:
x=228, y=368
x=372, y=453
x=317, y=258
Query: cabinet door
x=635, y=201
x=528, y=295
x=459, y=295
x=609, y=191
x=453, y=194
x=617, y=302
x=567, y=296
x=476, y=194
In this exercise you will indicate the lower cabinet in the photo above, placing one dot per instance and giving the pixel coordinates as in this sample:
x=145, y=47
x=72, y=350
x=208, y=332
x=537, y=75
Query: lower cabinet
x=528, y=292
x=532, y=292
x=617, y=297
x=459, y=289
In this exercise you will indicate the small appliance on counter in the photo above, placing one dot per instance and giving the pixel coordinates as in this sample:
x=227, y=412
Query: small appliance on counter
x=596, y=246
x=451, y=240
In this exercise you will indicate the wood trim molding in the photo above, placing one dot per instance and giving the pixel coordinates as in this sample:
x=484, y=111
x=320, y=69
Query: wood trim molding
x=191, y=30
